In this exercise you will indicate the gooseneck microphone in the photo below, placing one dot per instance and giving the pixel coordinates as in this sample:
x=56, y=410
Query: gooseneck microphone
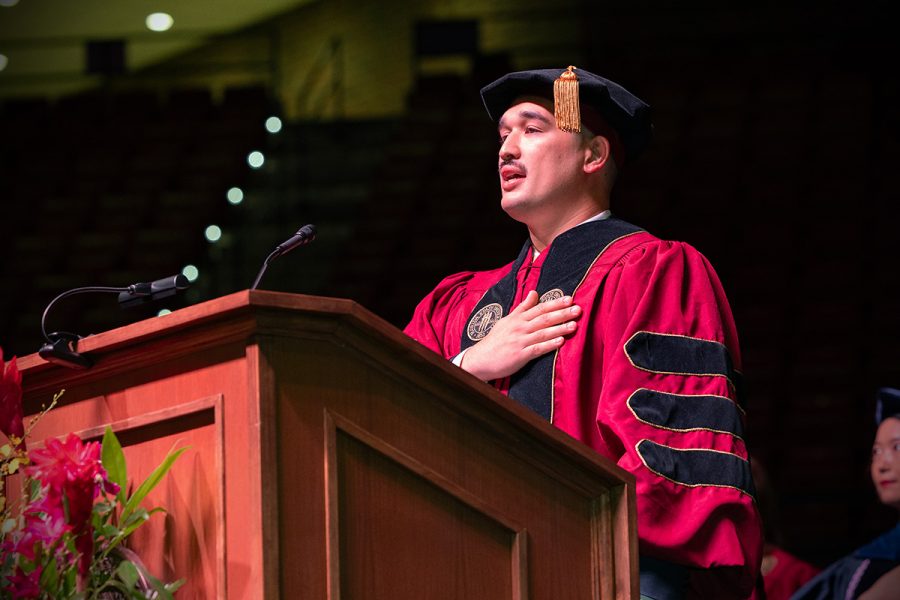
x=61, y=346
x=141, y=293
x=304, y=236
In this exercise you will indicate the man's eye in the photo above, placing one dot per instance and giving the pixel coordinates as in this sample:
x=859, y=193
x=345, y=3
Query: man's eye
x=531, y=130
x=896, y=447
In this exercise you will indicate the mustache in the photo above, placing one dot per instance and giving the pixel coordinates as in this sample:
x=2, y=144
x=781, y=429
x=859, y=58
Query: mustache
x=510, y=162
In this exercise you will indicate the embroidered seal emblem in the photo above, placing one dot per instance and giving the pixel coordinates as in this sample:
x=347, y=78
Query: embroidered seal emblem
x=553, y=294
x=481, y=322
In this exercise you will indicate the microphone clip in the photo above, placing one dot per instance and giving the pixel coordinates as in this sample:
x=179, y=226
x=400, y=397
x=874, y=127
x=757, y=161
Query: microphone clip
x=61, y=349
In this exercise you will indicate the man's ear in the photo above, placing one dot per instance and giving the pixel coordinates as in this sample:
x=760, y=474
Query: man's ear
x=598, y=154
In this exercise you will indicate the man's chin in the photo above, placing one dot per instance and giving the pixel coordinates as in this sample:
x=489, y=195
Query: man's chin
x=517, y=210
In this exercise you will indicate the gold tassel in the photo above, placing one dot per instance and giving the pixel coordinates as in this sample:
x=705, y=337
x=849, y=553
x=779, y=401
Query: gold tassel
x=565, y=101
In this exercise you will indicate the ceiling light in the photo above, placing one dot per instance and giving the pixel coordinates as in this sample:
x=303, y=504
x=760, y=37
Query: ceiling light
x=235, y=195
x=273, y=124
x=159, y=21
x=213, y=233
x=191, y=272
x=3, y=61
x=8, y=2
x=256, y=159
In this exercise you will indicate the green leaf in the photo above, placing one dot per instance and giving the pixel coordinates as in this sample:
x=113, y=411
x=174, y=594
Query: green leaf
x=50, y=577
x=103, y=508
x=128, y=573
x=5, y=450
x=173, y=587
x=139, y=515
x=34, y=489
x=70, y=582
x=135, y=520
x=113, y=460
x=108, y=531
x=112, y=585
x=162, y=591
x=8, y=525
x=152, y=480
x=69, y=541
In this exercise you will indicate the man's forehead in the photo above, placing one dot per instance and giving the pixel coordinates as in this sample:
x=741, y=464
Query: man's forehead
x=531, y=107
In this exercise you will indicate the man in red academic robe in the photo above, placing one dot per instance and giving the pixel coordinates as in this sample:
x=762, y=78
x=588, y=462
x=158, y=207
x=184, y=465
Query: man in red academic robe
x=622, y=340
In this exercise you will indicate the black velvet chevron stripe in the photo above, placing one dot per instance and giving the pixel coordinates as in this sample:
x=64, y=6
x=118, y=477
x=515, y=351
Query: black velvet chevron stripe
x=661, y=353
x=674, y=411
x=569, y=257
x=697, y=467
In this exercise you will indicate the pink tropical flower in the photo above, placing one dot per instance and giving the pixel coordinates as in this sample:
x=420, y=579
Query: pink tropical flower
x=67, y=460
x=72, y=477
x=10, y=398
x=26, y=585
x=39, y=532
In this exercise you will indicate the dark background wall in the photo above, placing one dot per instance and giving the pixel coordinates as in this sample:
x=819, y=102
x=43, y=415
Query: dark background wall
x=775, y=148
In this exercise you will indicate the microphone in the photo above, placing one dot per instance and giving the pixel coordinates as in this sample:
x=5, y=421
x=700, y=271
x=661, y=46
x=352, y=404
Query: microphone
x=141, y=293
x=61, y=346
x=304, y=236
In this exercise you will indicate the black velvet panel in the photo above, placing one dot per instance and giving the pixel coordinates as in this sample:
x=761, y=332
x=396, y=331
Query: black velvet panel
x=679, y=355
x=570, y=256
x=697, y=467
x=684, y=413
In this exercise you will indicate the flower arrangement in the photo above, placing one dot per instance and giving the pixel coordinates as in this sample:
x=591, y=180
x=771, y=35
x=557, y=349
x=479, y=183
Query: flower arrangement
x=65, y=538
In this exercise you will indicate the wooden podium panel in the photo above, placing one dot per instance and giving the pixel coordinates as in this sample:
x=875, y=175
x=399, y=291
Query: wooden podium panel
x=331, y=457
x=379, y=548
x=152, y=409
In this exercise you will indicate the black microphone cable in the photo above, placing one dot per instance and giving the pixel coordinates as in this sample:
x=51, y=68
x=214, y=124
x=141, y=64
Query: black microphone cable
x=61, y=346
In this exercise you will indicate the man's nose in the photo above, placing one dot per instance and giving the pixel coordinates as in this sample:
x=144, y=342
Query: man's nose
x=509, y=148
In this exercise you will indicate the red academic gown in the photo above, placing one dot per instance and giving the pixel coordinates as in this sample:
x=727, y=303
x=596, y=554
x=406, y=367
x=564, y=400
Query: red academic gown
x=788, y=574
x=650, y=380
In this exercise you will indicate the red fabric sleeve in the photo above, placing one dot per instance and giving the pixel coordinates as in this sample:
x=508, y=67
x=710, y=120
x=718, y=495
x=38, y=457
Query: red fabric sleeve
x=788, y=575
x=669, y=288
x=436, y=322
x=440, y=318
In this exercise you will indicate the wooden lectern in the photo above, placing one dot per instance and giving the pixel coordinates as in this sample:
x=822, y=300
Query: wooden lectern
x=331, y=457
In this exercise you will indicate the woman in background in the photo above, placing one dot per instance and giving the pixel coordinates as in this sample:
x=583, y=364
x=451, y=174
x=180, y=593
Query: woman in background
x=873, y=571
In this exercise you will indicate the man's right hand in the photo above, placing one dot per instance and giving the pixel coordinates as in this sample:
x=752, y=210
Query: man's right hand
x=531, y=330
